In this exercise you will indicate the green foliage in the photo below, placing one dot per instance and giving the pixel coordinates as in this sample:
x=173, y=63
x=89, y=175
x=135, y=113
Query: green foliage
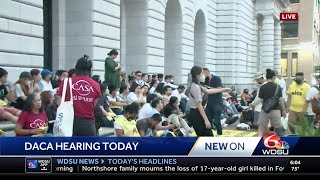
x=304, y=128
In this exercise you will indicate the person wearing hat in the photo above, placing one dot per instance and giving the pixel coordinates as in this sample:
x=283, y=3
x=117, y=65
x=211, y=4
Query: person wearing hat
x=297, y=94
x=257, y=102
x=227, y=106
x=45, y=83
x=22, y=90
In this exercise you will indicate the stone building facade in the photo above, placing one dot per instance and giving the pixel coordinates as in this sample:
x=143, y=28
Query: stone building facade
x=233, y=38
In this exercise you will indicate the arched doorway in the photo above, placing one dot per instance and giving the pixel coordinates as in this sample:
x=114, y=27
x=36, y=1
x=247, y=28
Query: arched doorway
x=173, y=33
x=200, y=39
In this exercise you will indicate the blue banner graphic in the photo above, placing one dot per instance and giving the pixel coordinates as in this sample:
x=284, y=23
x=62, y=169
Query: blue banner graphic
x=270, y=145
x=95, y=146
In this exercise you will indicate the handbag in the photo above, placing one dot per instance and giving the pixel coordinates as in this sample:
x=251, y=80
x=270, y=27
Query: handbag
x=272, y=102
x=63, y=125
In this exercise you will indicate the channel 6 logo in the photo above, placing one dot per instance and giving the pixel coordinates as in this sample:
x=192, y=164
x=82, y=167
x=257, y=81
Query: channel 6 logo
x=274, y=145
x=32, y=164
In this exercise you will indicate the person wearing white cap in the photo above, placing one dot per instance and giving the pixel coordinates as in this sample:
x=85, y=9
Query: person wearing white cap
x=257, y=102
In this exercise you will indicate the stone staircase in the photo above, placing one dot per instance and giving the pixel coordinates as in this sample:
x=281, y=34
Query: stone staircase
x=9, y=129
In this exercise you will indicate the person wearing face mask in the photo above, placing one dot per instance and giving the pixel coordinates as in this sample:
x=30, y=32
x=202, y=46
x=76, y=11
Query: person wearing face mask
x=256, y=105
x=126, y=125
x=22, y=90
x=297, y=93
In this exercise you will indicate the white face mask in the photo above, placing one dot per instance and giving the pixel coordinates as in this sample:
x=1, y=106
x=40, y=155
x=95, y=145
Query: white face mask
x=202, y=78
x=118, y=93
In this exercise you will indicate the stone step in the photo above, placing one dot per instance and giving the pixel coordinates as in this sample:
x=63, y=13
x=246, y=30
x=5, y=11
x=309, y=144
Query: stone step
x=7, y=126
x=9, y=133
x=106, y=131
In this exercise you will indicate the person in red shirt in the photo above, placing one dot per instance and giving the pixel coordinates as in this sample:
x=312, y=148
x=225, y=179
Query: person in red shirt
x=86, y=93
x=33, y=118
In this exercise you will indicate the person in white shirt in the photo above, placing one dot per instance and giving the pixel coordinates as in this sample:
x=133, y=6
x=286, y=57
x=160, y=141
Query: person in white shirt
x=257, y=103
x=124, y=92
x=45, y=83
x=157, y=107
x=135, y=94
x=179, y=93
x=146, y=108
x=313, y=91
x=282, y=83
x=167, y=82
x=21, y=90
x=182, y=98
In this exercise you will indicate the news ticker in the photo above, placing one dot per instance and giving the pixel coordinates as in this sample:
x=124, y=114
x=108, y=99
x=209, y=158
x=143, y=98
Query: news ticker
x=111, y=155
x=159, y=165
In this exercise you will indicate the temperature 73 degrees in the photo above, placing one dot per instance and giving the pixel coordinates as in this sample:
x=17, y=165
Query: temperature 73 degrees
x=294, y=169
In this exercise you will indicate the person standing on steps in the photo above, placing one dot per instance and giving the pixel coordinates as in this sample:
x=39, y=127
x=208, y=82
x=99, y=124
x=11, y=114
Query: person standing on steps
x=112, y=69
x=86, y=93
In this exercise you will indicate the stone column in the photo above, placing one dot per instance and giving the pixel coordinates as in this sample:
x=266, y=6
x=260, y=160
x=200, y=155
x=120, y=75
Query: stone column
x=267, y=43
x=59, y=35
x=277, y=45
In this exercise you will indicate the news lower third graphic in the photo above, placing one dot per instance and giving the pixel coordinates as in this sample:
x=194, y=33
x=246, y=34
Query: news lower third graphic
x=205, y=155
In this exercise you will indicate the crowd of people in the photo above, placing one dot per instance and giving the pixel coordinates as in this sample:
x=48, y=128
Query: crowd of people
x=148, y=105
